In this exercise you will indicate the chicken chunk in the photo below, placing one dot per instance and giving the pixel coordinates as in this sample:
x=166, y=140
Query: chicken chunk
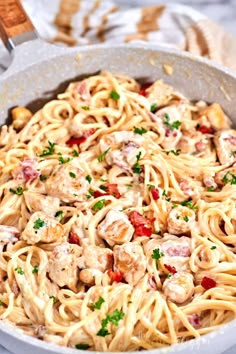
x=122, y=148
x=179, y=287
x=8, y=234
x=68, y=183
x=194, y=143
x=180, y=220
x=38, y=202
x=115, y=228
x=225, y=176
x=225, y=142
x=129, y=259
x=160, y=92
x=42, y=228
x=216, y=117
x=95, y=261
x=63, y=265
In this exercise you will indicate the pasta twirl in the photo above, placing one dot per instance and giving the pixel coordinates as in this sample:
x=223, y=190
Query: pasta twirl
x=117, y=217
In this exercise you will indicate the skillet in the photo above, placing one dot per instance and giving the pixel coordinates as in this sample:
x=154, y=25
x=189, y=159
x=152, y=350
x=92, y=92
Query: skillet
x=39, y=71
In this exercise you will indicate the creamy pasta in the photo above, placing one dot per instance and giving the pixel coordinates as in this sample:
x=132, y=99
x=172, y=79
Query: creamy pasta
x=117, y=217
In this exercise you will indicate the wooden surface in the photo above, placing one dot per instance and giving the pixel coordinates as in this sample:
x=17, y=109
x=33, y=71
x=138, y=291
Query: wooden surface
x=13, y=19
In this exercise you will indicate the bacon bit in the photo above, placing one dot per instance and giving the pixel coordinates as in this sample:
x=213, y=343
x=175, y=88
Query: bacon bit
x=205, y=130
x=112, y=189
x=74, y=238
x=155, y=193
x=200, y=146
x=178, y=251
x=231, y=139
x=171, y=269
x=89, y=132
x=208, y=283
x=76, y=141
x=195, y=320
x=115, y=276
x=168, y=132
x=27, y=171
x=143, y=89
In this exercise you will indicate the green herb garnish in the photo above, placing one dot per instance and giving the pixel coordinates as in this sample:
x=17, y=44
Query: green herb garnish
x=35, y=269
x=114, y=95
x=42, y=178
x=17, y=191
x=85, y=108
x=55, y=300
x=213, y=247
x=113, y=318
x=59, y=214
x=153, y=108
x=99, y=205
x=49, y=150
x=97, y=305
x=189, y=204
x=88, y=178
x=172, y=126
x=19, y=270
x=157, y=254
x=102, y=156
x=210, y=189
x=82, y=346
x=139, y=131
x=174, y=152
x=229, y=178
x=38, y=224
x=137, y=167
x=61, y=159
x=75, y=153
x=186, y=218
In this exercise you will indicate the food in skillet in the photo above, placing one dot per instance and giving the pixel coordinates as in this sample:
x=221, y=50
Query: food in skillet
x=118, y=217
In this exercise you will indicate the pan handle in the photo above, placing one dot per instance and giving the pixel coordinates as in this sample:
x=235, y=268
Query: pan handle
x=15, y=26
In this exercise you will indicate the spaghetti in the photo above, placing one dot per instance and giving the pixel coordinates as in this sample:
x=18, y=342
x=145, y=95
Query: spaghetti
x=117, y=213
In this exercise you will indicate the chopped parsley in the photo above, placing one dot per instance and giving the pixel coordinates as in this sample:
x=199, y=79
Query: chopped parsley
x=38, y=224
x=17, y=191
x=139, y=131
x=49, y=150
x=213, y=247
x=85, y=108
x=168, y=276
x=174, y=206
x=19, y=270
x=178, y=217
x=102, y=156
x=90, y=194
x=1, y=303
x=137, y=168
x=97, y=305
x=153, y=108
x=99, y=205
x=174, y=152
x=186, y=218
x=113, y=318
x=61, y=159
x=82, y=346
x=189, y=204
x=104, y=188
x=103, y=180
x=59, y=214
x=233, y=153
x=72, y=174
x=55, y=300
x=88, y=178
x=42, y=178
x=157, y=254
x=172, y=126
x=35, y=270
x=150, y=186
x=75, y=153
x=168, y=199
x=229, y=177
x=210, y=189
x=114, y=95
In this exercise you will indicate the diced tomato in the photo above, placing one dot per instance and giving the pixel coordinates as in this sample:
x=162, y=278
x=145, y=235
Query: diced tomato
x=143, y=89
x=155, y=193
x=98, y=194
x=142, y=230
x=74, y=238
x=115, y=276
x=171, y=269
x=205, y=130
x=208, y=283
x=113, y=190
x=137, y=219
x=76, y=141
x=195, y=320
